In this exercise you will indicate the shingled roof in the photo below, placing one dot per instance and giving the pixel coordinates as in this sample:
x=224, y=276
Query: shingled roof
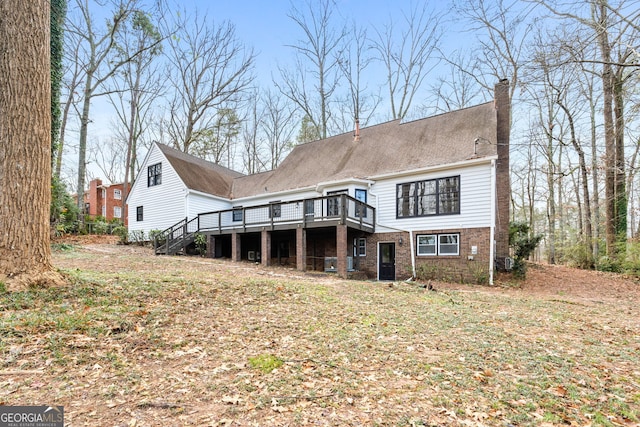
x=201, y=175
x=387, y=148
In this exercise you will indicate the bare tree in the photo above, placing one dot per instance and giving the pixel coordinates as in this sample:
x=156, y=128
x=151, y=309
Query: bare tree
x=562, y=100
x=25, y=145
x=353, y=59
x=457, y=89
x=251, y=141
x=209, y=69
x=109, y=158
x=99, y=59
x=73, y=76
x=502, y=31
x=317, y=55
x=136, y=85
x=217, y=141
x=278, y=126
x=614, y=38
x=408, y=55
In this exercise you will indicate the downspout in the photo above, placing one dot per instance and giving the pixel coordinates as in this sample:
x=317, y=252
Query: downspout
x=413, y=256
x=492, y=233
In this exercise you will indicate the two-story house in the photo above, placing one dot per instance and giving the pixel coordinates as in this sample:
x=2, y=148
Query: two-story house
x=384, y=201
x=105, y=200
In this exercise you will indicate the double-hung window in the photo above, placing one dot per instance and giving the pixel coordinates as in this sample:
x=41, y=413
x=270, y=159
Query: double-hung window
x=154, y=175
x=360, y=247
x=117, y=194
x=438, y=244
x=428, y=197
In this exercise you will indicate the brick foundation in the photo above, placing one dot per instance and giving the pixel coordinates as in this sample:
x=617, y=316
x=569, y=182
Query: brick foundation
x=465, y=267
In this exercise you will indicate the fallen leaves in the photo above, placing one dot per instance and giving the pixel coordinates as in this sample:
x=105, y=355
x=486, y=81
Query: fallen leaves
x=146, y=340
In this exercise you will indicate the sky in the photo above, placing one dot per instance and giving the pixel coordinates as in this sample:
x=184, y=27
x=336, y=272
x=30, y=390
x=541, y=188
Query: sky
x=265, y=26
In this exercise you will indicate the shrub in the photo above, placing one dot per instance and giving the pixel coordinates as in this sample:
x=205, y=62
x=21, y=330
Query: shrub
x=99, y=227
x=122, y=232
x=609, y=265
x=201, y=244
x=157, y=234
x=63, y=211
x=479, y=273
x=577, y=256
x=137, y=237
x=523, y=244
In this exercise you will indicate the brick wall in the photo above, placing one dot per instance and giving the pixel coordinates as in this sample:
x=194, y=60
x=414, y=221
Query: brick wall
x=503, y=184
x=94, y=196
x=458, y=268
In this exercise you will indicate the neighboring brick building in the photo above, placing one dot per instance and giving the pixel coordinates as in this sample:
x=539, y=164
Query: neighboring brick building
x=106, y=201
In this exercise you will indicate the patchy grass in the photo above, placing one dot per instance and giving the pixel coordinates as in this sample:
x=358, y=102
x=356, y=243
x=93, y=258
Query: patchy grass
x=144, y=340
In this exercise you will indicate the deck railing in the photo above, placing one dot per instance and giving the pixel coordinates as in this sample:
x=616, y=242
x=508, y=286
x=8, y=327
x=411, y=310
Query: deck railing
x=176, y=237
x=329, y=210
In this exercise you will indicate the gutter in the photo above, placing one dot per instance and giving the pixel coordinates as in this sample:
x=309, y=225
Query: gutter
x=492, y=233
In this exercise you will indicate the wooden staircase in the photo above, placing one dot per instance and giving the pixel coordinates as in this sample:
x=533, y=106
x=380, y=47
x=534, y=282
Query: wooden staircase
x=176, y=238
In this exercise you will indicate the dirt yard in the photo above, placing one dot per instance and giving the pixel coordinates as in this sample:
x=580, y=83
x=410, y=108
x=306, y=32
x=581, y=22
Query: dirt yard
x=140, y=340
x=543, y=280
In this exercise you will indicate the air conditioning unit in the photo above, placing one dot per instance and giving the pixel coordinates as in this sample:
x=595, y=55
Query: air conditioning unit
x=508, y=263
x=251, y=255
x=330, y=264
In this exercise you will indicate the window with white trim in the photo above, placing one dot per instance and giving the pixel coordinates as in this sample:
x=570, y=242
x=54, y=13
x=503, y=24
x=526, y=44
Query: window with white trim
x=117, y=194
x=427, y=245
x=360, y=246
x=438, y=244
x=117, y=212
x=448, y=244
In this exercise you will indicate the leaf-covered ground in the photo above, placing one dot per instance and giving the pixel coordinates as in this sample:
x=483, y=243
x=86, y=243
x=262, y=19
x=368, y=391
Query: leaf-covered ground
x=139, y=340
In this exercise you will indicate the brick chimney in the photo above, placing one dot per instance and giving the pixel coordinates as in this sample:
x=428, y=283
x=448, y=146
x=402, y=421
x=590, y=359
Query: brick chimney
x=503, y=184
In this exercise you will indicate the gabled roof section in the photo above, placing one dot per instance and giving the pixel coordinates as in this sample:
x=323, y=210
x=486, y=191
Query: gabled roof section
x=200, y=175
x=387, y=148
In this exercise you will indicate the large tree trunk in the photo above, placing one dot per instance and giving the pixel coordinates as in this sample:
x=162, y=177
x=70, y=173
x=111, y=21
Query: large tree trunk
x=25, y=145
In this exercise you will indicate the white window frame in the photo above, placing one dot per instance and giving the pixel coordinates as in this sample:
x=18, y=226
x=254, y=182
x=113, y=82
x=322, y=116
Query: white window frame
x=420, y=246
x=117, y=194
x=117, y=212
x=439, y=242
x=360, y=246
